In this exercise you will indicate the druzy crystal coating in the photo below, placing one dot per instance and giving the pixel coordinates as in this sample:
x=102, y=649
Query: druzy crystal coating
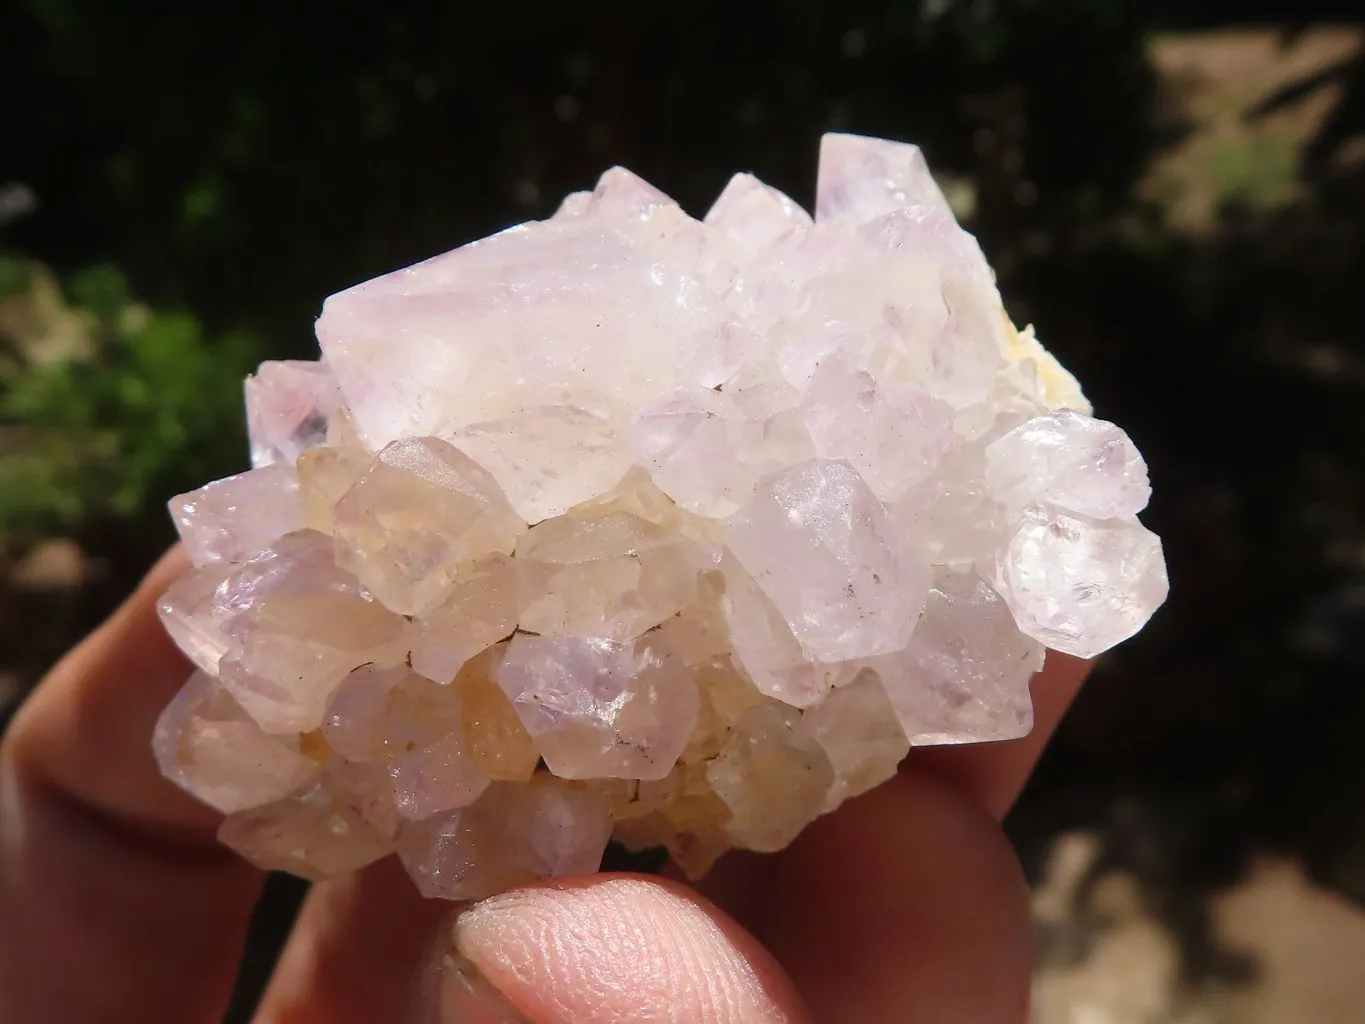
x=625, y=524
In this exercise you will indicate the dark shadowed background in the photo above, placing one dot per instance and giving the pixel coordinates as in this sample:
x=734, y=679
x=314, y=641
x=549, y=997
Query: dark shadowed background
x=1171, y=192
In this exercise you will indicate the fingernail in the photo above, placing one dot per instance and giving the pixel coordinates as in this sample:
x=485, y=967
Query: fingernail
x=454, y=991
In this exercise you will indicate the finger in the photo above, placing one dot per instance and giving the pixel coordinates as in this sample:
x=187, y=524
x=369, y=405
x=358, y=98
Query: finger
x=355, y=952
x=609, y=948
x=115, y=901
x=989, y=774
x=993, y=774
x=86, y=730
x=906, y=905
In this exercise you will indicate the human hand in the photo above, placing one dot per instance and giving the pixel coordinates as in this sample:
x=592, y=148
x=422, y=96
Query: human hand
x=117, y=904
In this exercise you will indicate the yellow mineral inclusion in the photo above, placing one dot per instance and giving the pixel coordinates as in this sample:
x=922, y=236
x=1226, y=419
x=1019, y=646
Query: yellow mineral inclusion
x=1060, y=390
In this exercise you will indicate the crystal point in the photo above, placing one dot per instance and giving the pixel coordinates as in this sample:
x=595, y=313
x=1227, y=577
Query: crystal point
x=857, y=728
x=1081, y=464
x=513, y=834
x=773, y=778
x=549, y=458
x=820, y=545
x=206, y=744
x=231, y=519
x=289, y=407
x=863, y=178
x=613, y=576
x=421, y=510
x=498, y=743
x=309, y=833
x=754, y=216
x=415, y=729
x=186, y=610
x=601, y=708
x=478, y=610
x=1081, y=585
x=964, y=676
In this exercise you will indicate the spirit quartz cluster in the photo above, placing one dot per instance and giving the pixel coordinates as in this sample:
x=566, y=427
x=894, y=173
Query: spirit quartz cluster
x=627, y=525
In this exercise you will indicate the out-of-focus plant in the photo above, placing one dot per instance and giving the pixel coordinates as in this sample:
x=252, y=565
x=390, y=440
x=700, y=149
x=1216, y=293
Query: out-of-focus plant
x=1345, y=123
x=106, y=406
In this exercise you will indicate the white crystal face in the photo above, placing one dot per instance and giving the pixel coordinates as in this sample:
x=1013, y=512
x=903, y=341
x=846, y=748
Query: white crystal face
x=964, y=676
x=821, y=547
x=289, y=407
x=1072, y=461
x=579, y=455
x=862, y=179
x=753, y=216
x=1080, y=585
x=230, y=520
x=599, y=708
x=628, y=524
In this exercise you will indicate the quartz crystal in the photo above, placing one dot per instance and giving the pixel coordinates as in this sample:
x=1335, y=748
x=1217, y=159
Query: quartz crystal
x=289, y=406
x=628, y=524
x=515, y=833
x=421, y=510
x=208, y=745
x=229, y=520
x=600, y=708
x=314, y=832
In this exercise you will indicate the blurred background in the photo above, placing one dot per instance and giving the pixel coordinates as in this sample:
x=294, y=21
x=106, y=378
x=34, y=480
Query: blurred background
x=1171, y=191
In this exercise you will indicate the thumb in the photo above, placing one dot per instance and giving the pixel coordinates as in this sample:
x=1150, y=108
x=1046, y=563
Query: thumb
x=611, y=947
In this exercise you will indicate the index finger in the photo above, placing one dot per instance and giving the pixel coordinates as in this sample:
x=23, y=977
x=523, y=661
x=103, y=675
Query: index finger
x=116, y=902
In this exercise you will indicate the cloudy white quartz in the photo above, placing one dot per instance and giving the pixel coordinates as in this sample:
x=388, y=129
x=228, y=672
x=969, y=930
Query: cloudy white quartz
x=627, y=523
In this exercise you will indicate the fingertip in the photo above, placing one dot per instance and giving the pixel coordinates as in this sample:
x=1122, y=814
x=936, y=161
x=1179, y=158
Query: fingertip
x=622, y=947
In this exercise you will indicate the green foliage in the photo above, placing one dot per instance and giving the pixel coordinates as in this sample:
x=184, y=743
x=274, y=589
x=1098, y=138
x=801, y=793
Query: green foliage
x=1258, y=172
x=150, y=406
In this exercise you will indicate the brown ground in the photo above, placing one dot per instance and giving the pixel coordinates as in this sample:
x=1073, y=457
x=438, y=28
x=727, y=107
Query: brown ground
x=1301, y=952
x=1295, y=952
x=1211, y=83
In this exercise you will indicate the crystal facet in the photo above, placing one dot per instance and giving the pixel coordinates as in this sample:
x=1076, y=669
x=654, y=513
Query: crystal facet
x=1077, y=584
x=614, y=576
x=206, y=744
x=599, y=708
x=546, y=828
x=819, y=544
x=289, y=407
x=231, y=519
x=420, y=510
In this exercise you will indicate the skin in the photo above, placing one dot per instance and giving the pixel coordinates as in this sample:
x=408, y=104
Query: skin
x=117, y=904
